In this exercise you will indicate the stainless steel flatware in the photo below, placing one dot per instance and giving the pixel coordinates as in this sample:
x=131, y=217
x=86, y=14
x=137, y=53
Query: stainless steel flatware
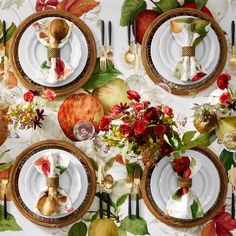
x=5, y=180
x=108, y=183
x=103, y=60
x=129, y=55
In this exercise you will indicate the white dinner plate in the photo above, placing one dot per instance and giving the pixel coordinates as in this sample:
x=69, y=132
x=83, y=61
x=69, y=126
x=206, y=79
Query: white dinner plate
x=165, y=52
x=73, y=181
x=32, y=54
x=206, y=182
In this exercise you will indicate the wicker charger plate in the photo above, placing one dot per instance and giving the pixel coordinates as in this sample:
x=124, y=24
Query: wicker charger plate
x=80, y=80
x=155, y=75
x=185, y=223
x=52, y=221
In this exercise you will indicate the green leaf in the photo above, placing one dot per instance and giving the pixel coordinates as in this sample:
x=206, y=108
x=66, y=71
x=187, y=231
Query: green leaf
x=100, y=78
x=227, y=159
x=95, y=216
x=166, y=5
x=134, y=226
x=95, y=164
x=61, y=169
x=130, y=9
x=198, y=26
x=109, y=164
x=205, y=139
x=200, y=3
x=188, y=136
x=6, y=166
x=10, y=32
x=2, y=154
x=44, y=65
x=78, y=229
x=104, y=199
x=177, y=195
x=131, y=167
x=196, y=209
x=9, y=224
x=121, y=199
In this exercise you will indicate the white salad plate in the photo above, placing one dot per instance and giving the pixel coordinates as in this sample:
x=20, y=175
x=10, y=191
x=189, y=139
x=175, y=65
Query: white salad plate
x=32, y=54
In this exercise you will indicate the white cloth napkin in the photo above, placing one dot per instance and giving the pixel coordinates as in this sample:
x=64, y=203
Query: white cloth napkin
x=57, y=69
x=50, y=165
x=181, y=206
x=189, y=32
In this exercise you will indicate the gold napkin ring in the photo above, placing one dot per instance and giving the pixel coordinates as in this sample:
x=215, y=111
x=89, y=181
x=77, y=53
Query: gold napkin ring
x=53, y=52
x=52, y=181
x=188, y=51
x=185, y=183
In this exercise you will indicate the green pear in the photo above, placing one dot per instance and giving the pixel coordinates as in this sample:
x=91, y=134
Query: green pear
x=227, y=125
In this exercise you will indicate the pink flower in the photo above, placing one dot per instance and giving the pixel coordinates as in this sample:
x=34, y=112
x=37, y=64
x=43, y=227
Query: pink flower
x=29, y=96
x=45, y=4
x=141, y=105
x=48, y=94
x=167, y=110
x=223, y=81
x=133, y=95
x=225, y=98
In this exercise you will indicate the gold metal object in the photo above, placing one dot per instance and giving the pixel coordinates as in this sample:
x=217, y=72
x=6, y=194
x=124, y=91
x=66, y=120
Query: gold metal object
x=136, y=60
x=137, y=179
x=185, y=183
x=232, y=58
x=109, y=55
x=129, y=183
x=129, y=56
x=108, y=181
x=5, y=181
x=103, y=60
x=53, y=52
x=48, y=203
x=188, y=51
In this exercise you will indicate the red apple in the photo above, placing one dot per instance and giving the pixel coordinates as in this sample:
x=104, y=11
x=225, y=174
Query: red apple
x=144, y=19
x=193, y=5
x=79, y=107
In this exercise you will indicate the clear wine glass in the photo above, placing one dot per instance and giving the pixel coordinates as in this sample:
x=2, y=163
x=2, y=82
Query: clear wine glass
x=11, y=95
x=83, y=130
x=229, y=142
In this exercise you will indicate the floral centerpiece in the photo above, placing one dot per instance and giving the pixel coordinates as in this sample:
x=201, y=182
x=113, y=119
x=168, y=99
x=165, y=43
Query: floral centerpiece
x=219, y=116
x=141, y=130
x=28, y=114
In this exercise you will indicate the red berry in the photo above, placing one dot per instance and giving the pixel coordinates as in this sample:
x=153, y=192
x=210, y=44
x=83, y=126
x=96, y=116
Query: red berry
x=187, y=173
x=144, y=19
x=193, y=5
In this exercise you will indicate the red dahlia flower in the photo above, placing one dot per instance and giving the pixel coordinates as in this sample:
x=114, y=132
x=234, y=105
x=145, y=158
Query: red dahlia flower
x=167, y=110
x=160, y=130
x=105, y=123
x=140, y=126
x=165, y=149
x=152, y=114
x=223, y=81
x=142, y=105
x=133, y=95
x=126, y=130
x=29, y=96
x=225, y=98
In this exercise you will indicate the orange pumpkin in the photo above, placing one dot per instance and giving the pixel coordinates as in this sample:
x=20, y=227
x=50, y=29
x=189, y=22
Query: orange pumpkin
x=79, y=107
x=3, y=129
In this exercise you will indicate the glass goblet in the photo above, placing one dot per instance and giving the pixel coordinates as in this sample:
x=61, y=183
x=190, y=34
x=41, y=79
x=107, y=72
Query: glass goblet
x=229, y=142
x=83, y=130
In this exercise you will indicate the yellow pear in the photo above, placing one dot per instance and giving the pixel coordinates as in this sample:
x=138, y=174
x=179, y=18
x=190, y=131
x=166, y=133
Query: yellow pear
x=103, y=227
x=227, y=125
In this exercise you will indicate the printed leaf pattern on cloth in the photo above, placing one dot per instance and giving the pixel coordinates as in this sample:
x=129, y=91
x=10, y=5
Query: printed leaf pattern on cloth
x=221, y=225
x=49, y=165
x=77, y=7
x=9, y=224
x=46, y=4
x=7, y=4
x=189, y=32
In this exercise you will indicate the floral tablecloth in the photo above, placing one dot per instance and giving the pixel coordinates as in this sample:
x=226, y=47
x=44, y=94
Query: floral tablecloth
x=17, y=11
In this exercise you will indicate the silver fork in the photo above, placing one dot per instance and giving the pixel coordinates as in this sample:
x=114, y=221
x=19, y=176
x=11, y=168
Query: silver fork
x=103, y=59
